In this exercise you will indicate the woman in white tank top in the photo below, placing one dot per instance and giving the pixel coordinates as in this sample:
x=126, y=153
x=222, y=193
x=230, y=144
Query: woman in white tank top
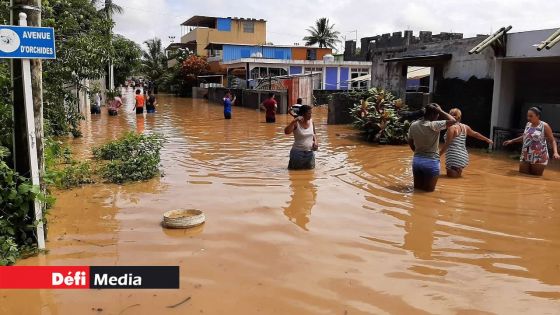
x=305, y=141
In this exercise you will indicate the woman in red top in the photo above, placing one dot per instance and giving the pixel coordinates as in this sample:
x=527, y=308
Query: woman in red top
x=270, y=106
x=140, y=100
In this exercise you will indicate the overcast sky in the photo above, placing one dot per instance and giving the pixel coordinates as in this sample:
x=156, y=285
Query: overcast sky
x=287, y=20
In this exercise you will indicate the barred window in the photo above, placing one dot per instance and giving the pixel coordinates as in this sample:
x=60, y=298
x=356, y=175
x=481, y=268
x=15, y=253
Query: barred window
x=248, y=27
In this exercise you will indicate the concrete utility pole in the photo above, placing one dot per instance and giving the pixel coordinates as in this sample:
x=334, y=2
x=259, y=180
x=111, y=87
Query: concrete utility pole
x=22, y=144
x=33, y=10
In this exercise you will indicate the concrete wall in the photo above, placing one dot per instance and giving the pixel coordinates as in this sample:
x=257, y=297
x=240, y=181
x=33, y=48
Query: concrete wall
x=520, y=45
x=391, y=75
x=253, y=98
x=339, y=109
x=198, y=92
x=249, y=98
x=388, y=75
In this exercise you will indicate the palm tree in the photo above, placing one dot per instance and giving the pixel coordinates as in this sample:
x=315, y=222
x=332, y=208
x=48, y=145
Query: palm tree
x=322, y=33
x=154, y=61
x=109, y=8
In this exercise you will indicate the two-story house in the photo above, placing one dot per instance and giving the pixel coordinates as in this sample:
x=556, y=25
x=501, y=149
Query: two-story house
x=202, y=30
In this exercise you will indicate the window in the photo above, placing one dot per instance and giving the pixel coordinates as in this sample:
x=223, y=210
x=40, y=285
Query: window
x=311, y=54
x=358, y=72
x=313, y=69
x=264, y=72
x=223, y=25
x=248, y=27
x=275, y=72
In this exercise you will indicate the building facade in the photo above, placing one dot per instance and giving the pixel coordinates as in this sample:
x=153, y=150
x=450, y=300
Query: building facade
x=334, y=75
x=494, y=86
x=203, y=30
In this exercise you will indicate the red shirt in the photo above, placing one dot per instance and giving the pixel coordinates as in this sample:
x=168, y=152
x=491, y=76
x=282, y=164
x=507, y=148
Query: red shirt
x=270, y=106
x=139, y=100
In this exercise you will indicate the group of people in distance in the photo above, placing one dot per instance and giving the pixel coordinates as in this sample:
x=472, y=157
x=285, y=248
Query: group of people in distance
x=113, y=106
x=423, y=138
x=302, y=154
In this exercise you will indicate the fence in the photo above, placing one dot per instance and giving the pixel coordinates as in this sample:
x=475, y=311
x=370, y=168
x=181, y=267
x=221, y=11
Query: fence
x=249, y=98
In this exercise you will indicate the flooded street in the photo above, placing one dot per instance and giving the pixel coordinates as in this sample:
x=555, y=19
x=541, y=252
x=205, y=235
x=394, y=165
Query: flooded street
x=350, y=237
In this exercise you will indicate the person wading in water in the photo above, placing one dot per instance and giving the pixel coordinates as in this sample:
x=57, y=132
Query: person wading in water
x=455, y=149
x=270, y=106
x=114, y=105
x=139, y=102
x=423, y=139
x=534, y=153
x=151, y=103
x=305, y=140
x=295, y=108
x=228, y=102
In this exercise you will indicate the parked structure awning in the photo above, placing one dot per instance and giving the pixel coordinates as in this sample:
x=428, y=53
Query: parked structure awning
x=200, y=21
x=422, y=60
x=418, y=72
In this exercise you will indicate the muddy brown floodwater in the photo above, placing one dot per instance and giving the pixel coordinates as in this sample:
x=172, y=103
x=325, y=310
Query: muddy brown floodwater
x=350, y=237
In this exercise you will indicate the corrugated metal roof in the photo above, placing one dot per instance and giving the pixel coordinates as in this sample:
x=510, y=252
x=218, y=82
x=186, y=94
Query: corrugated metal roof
x=244, y=61
x=214, y=45
x=210, y=21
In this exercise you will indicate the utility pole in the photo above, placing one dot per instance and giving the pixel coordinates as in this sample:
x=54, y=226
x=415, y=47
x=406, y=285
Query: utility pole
x=33, y=10
x=28, y=143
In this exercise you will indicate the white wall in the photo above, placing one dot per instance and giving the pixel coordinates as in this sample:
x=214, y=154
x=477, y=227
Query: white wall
x=503, y=98
x=520, y=45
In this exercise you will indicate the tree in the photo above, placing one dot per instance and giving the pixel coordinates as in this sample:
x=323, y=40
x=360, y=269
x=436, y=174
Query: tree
x=127, y=58
x=322, y=33
x=194, y=66
x=154, y=61
x=108, y=7
x=83, y=49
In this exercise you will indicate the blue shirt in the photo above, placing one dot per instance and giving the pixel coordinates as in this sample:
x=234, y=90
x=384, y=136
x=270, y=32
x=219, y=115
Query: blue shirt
x=227, y=105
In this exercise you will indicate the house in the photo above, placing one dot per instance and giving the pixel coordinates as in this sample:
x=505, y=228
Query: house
x=494, y=84
x=201, y=30
x=250, y=63
x=237, y=49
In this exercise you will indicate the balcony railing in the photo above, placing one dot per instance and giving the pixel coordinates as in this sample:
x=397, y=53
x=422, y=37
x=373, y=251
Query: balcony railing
x=214, y=58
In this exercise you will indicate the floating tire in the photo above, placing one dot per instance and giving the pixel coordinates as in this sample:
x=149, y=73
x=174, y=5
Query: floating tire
x=183, y=219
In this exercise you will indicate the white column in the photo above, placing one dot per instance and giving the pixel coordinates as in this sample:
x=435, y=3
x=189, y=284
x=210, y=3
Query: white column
x=338, y=78
x=496, y=93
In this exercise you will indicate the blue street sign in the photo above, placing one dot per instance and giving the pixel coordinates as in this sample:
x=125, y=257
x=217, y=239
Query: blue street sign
x=27, y=42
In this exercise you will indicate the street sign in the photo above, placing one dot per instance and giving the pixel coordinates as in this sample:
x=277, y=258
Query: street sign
x=26, y=42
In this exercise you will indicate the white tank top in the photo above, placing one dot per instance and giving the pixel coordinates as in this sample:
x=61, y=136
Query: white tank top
x=303, y=138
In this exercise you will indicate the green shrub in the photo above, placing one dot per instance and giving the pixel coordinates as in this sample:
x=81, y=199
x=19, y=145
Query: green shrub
x=74, y=175
x=133, y=157
x=376, y=114
x=16, y=221
x=62, y=170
